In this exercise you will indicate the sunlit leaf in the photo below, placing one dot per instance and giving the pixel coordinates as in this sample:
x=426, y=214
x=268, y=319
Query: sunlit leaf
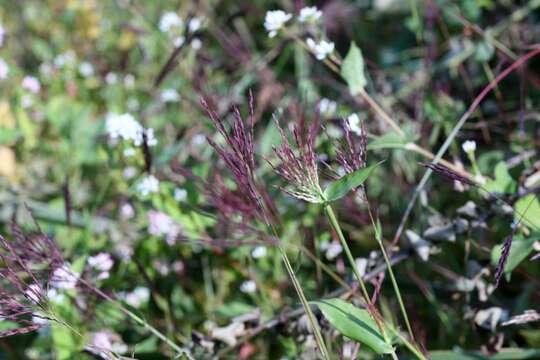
x=343, y=185
x=352, y=70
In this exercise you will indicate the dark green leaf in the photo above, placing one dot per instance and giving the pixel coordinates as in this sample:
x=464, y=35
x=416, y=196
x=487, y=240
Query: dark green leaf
x=354, y=323
x=342, y=186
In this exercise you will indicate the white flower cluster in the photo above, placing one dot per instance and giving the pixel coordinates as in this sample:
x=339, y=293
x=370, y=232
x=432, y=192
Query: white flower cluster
x=169, y=96
x=354, y=124
x=169, y=21
x=161, y=224
x=107, y=341
x=248, y=287
x=331, y=249
x=172, y=24
x=102, y=263
x=137, y=297
x=31, y=83
x=469, y=146
x=327, y=107
x=275, y=20
x=148, y=185
x=320, y=49
x=125, y=127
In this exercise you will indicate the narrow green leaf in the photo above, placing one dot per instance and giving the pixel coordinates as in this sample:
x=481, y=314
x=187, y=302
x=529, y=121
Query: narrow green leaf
x=390, y=140
x=354, y=323
x=352, y=70
x=521, y=248
x=343, y=185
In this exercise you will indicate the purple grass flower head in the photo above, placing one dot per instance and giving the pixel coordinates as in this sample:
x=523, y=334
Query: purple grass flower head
x=448, y=173
x=505, y=252
x=28, y=264
x=249, y=199
x=298, y=164
x=352, y=153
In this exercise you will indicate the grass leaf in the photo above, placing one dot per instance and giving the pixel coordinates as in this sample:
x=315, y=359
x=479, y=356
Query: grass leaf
x=354, y=323
x=352, y=70
x=343, y=185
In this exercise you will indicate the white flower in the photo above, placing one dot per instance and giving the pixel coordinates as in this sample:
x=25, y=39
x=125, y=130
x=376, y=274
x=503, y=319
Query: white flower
x=55, y=296
x=169, y=95
x=327, y=106
x=469, y=146
x=64, y=59
x=127, y=211
x=259, y=252
x=33, y=293
x=4, y=69
x=125, y=127
x=129, y=172
x=64, y=278
x=148, y=185
x=354, y=124
x=309, y=14
x=170, y=20
x=86, y=69
x=248, y=287
x=179, y=41
x=129, y=152
x=321, y=49
x=111, y=78
x=2, y=34
x=162, y=224
x=101, y=262
x=180, y=194
x=334, y=249
x=361, y=265
x=31, y=84
x=129, y=81
x=194, y=24
x=26, y=101
x=107, y=341
x=274, y=20
x=198, y=139
x=136, y=297
x=196, y=43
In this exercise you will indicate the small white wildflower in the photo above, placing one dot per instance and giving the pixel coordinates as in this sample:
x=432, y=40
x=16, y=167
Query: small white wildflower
x=259, y=252
x=123, y=127
x=354, y=124
x=86, y=69
x=309, y=14
x=101, y=262
x=178, y=266
x=137, y=297
x=129, y=152
x=26, y=101
x=31, y=83
x=274, y=21
x=162, y=267
x=4, y=69
x=321, y=49
x=148, y=185
x=127, y=211
x=161, y=224
x=180, y=194
x=198, y=139
x=55, y=296
x=327, y=107
x=179, y=41
x=248, y=287
x=46, y=70
x=65, y=59
x=150, y=138
x=129, y=172
x=194, y=24
x=129, y=81
x=333, y=250
x=361, y=265
x=170, y=20
x=469, y=146
x=169, y=96
x=196, y=44
x=111, y=78
x=106, y=341
x=33, y=293
x=64, y=278
x=2, y=35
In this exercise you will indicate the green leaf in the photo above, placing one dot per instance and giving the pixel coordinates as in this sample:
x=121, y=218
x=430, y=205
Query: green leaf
x=354, y=323
x=521, y=248
x=352, y=70
x=529, y=207
x=503, y=183
x=343, y=185
x=391, y=140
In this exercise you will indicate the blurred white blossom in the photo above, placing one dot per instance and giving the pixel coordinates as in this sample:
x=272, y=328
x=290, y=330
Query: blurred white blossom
x=161, y=224
x=107, y=341
x=129, y=81
x=129, y=152
x=170, y=20
x=321, y=49
x=331, y=249
x=111, y=78
x=179, y=41
x=136, y=297
x=248, y=287
x=469, y=146
x=327, y=107
x=354, y=124
x=125, y=127
x=65, y=59
x=196, y=43
x=148, y=185
x=31, y=83
x=274, y=21
x=169, y=95
x=180, y=194
x=103, y=263
x=129, y=172
x=259, y=252
x=194, y=24
x=4, y=69
x=127, y=211
x=2, y=34
x=86, y=69
x=309, y=14
x=64, y=278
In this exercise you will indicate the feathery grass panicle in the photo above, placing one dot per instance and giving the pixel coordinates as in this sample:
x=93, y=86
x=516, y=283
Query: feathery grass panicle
x=505, y=252
x=448, y=173
x=352, y=153
x=298, y=164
